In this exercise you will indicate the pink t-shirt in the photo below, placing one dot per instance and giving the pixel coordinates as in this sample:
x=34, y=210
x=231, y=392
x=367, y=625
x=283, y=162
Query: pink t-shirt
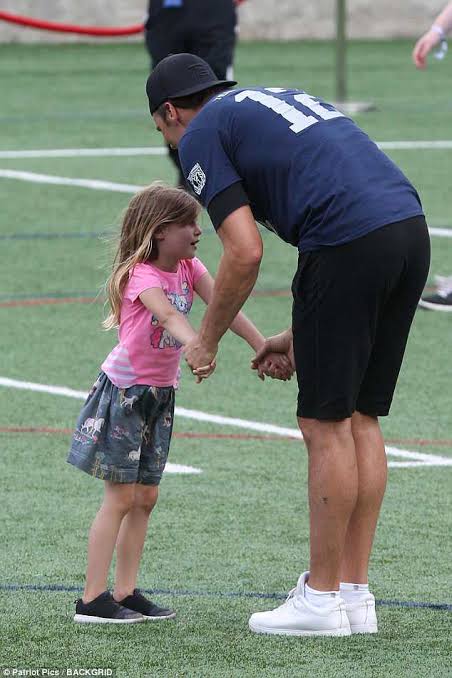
x=147, y=353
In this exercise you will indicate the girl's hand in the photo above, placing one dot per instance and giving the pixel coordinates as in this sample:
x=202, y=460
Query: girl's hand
x=200, y=358
x=205, y=371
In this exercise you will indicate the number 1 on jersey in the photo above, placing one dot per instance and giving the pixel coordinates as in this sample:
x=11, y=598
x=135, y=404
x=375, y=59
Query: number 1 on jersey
x=299, y=121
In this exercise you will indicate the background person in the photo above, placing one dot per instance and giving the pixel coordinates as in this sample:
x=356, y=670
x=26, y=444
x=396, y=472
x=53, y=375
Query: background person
x=203, y=27
x=294, y=163
x=441, y=300
x=433, y=37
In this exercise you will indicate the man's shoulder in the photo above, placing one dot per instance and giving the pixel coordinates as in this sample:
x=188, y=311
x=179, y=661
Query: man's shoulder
x=216, y=114
x=213, y=113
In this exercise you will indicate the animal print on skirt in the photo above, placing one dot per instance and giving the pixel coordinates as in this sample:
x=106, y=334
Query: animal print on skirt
x=123, y=435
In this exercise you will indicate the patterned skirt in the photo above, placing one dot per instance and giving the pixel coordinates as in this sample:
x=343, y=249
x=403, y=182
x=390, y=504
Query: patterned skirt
x=124, y=435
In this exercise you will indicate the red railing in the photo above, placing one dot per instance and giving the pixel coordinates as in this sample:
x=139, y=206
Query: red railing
x=102, y=32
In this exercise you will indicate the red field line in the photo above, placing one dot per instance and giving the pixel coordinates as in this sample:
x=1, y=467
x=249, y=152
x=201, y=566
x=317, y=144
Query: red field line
x=189, y=434
x=419, y=442
x=46, y=301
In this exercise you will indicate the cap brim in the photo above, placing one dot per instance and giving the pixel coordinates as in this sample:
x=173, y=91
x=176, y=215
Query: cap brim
x=194, y=89
x=201, y=87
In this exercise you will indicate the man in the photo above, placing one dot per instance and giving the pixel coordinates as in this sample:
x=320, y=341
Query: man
x=200, y=27
x=311, y=175
x=436, y=36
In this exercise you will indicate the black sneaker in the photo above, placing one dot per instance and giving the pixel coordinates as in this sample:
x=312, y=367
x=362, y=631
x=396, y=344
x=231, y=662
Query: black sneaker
x=146, y=607
x=442, y=299
x=105, y=610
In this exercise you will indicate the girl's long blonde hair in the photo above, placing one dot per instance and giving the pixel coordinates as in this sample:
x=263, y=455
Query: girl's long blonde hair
x=150, y=210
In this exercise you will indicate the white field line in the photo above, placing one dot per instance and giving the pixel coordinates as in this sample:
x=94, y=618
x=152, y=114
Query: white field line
x=444, y=144
x=85, y=152
x=94, y=184
x=61, y=390
x=441, y=232
x=415, y=145
x=414, y=459
x=98, y=185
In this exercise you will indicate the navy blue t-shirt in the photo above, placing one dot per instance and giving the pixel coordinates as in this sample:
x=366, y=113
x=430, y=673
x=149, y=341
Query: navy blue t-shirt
x=310, y=173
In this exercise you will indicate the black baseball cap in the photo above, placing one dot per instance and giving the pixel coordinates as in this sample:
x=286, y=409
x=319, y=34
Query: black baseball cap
x=180, y=75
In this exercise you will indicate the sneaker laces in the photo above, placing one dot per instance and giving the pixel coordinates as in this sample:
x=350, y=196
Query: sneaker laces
x=443, y=285
x=297, y=590
x=291, y=594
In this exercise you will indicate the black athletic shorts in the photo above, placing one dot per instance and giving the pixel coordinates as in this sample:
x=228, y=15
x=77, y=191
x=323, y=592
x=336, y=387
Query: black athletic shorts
x=352, y=312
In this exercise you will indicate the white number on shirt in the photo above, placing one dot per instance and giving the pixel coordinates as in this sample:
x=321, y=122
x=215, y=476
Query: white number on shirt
x=299, y=120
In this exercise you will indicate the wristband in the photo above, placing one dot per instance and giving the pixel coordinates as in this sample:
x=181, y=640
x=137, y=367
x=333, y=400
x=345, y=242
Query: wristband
x=440, y=31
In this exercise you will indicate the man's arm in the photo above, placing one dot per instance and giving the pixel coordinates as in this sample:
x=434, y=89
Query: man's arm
x=274, y=365
x=241, y=325
x=237, y=273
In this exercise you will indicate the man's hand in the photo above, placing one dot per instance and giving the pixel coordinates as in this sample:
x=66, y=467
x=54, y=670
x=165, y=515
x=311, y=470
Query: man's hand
x=276, y=366
x=200, y=358
x=275, y=358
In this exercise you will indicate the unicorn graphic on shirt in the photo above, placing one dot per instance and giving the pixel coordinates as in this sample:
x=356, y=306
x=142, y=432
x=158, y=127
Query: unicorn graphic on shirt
x=181, y=301
x=161, y=338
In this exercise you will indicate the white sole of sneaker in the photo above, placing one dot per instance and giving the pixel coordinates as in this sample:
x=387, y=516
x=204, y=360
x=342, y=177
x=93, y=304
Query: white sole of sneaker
x=364, y=628
x=89, y=619
x=446, y=308
x=158, y=618
x=297, y=632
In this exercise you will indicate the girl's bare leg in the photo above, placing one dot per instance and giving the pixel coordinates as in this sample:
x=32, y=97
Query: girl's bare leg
x=118, y=499
x=132, y=534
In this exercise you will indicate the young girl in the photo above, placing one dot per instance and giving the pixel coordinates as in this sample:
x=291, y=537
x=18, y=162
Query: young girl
x=124, y=429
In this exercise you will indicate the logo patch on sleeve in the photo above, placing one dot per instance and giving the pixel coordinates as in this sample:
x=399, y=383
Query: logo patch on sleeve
x=197, y=178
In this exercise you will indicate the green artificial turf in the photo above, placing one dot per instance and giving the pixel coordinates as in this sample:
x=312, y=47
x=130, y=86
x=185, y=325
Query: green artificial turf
x=221, y=540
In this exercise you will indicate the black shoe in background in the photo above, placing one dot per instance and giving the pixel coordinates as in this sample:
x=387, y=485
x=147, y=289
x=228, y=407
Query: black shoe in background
x=442, y=299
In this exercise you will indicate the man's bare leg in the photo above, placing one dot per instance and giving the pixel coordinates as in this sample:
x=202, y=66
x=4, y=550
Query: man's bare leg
x=372, y=475
x=333, y=492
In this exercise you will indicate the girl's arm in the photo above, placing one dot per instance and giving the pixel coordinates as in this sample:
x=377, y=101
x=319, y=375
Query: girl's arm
x=275, y=365
x=241, y=325
x=172, y=320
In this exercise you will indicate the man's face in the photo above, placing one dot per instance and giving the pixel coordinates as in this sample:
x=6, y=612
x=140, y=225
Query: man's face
x=170, y=126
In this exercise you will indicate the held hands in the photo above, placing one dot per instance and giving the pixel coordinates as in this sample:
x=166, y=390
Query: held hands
x=205, y=371
x=275, y=358
x=200, y=359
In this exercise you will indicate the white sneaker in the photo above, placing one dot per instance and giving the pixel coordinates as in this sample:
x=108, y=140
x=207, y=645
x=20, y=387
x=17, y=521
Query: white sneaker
x=297, y=617
x=361, y=615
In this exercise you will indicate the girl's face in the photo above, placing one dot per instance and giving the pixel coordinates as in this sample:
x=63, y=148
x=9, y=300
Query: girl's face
x=179, y=241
